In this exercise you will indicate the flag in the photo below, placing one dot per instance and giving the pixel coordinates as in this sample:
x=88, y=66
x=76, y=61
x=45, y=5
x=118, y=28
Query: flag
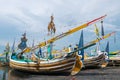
x=96, y=30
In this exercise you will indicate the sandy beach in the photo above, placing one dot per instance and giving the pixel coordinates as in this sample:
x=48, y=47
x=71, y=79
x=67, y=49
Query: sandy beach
x=108, y=73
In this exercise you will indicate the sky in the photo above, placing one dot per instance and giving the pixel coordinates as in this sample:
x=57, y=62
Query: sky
x=33, y=16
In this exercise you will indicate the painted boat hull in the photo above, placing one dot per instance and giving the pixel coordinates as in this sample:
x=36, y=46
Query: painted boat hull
x=98, y=61
x=114, y=61
x=3, y=62
x=50, y=66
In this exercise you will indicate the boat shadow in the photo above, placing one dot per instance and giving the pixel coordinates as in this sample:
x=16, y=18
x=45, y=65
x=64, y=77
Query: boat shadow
x=22, y=73
x=97, y=71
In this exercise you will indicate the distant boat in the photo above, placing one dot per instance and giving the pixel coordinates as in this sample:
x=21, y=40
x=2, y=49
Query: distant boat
x=114, y=58
x=114, y=52
x=4, y=57
x=92, y=61
x=95, y=61
x=3, y=62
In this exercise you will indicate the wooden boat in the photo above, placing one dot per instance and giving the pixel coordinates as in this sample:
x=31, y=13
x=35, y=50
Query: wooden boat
x=99, y=59
x=95, y=61
x=3, y=62
x=69, y=63
x=114, y=60
x=4, y=57
x=65, y=64
x=114, y=53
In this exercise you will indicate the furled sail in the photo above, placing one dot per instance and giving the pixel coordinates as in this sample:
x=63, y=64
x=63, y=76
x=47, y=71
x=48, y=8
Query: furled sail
x=96, y=30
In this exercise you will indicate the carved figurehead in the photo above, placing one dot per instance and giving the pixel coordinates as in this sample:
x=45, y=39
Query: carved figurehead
x=51, y=26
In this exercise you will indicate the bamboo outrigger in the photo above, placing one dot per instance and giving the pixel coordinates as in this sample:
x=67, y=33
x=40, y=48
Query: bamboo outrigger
x=64, y=64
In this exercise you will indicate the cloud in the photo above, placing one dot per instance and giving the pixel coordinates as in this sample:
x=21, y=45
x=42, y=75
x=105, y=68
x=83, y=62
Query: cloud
x=33, y=16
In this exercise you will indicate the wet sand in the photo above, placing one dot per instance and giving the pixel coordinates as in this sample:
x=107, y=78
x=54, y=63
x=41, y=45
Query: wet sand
x=108, y=73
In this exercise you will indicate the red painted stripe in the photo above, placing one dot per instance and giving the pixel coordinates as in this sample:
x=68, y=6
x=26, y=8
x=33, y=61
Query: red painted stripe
x=91, y=22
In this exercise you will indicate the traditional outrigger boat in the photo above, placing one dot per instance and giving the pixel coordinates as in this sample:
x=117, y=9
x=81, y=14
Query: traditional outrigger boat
x=65, y=64
x=99, y=58
x=95, y=61
x=4, y=57
x=69, y=63
x=114, y=53
x=114, y=58
x=3, y=62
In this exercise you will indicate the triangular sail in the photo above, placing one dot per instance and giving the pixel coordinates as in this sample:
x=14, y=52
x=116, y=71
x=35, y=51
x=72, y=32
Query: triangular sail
x=13, y=47
x=81, y=43
x=40, y=52
x=107, y=48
